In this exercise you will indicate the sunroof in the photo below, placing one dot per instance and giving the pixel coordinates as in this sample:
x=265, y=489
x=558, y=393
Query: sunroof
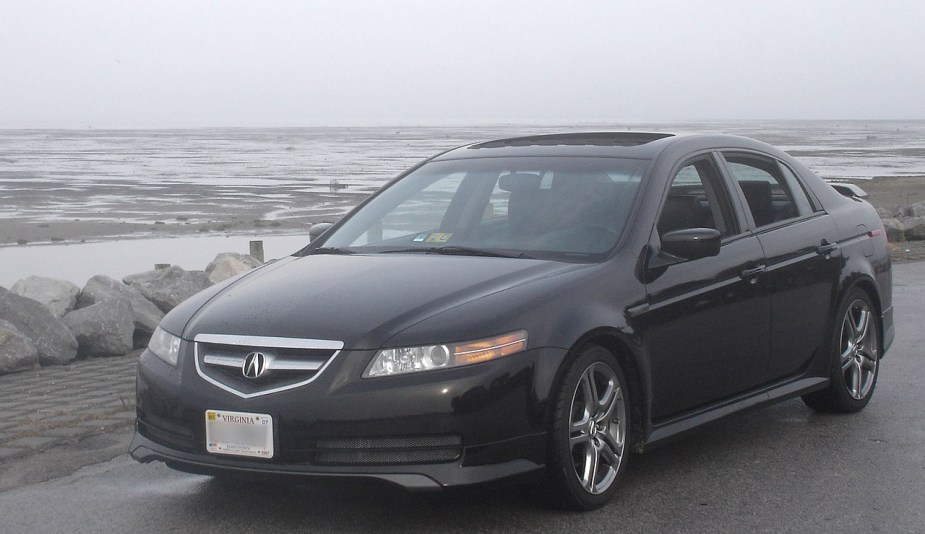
x=593, y=139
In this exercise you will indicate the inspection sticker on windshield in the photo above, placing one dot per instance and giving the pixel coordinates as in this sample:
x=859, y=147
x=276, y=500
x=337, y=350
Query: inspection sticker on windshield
x=438, y=237
x=239, y=433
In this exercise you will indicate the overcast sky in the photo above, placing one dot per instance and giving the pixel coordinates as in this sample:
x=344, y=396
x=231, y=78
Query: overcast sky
x=186, y=63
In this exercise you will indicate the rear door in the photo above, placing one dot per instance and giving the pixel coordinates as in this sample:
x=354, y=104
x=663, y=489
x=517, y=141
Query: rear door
x=799, y=241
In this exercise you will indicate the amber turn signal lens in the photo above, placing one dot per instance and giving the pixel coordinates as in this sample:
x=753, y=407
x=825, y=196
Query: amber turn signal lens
x=491, y=348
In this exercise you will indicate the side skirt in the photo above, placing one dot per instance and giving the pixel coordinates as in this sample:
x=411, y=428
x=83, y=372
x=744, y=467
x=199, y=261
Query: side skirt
x=663, y=432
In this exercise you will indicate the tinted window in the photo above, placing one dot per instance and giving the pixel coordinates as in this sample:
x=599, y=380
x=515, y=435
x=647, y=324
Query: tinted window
x=804, y=205
x=768, y=194
x=535, y=206
x=696, y=199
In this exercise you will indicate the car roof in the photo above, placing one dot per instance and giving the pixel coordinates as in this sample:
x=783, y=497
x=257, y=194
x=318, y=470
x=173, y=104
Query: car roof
x=637, y=145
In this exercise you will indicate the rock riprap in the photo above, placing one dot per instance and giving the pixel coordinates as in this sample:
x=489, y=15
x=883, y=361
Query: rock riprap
x=145, y=314
x=52, y=339
x=168, y=287
x=104, y=328
x=60, y=296
x=229, y=264
x=17, y=353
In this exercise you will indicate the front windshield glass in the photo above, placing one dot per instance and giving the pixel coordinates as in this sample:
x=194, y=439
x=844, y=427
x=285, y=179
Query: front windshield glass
x=521, y=207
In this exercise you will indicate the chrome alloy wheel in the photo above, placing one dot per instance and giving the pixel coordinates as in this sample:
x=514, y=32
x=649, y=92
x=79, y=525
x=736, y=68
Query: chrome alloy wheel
x=858, y=349
x=597, y=428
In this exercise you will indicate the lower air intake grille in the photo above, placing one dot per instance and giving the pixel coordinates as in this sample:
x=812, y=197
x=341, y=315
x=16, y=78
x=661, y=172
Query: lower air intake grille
x=394, y=450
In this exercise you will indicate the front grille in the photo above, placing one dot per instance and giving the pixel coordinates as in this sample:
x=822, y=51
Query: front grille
x=286, y=362
x=388, y=451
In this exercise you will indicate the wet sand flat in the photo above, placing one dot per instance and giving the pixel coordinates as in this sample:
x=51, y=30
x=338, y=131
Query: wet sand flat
x=67, y=186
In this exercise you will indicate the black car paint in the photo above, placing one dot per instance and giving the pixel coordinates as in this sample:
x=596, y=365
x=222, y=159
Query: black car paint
x=382, y=294
x=656, y=318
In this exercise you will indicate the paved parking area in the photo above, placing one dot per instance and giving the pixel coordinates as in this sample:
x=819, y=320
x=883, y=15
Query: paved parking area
x=54, y=405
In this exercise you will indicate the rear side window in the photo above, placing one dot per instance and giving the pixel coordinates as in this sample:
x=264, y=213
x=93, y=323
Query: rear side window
x=771, y=196
x=804, y=203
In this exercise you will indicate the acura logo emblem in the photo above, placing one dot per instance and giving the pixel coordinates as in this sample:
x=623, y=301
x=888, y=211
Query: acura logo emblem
x=255, y=364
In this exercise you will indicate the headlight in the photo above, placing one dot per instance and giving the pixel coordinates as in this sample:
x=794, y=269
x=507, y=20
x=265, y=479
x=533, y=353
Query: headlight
x=165, y=345
x=403, y=360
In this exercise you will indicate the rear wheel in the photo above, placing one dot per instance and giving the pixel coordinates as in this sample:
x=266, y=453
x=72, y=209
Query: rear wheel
x=589, y=431
x=855, y=358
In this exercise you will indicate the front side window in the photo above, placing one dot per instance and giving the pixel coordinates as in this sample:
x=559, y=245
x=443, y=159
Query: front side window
x=696, y=199
x=565, y=207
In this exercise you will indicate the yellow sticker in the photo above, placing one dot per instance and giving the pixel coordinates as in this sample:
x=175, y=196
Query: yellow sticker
x=439, y=237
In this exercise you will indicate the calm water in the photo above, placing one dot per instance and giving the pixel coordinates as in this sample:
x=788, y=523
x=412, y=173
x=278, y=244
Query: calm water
x=191, y=175
x=146, y=175
x=78, y=262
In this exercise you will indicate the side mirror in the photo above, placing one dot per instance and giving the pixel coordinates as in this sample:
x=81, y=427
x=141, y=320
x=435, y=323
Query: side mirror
x=317, y=230
x=692, y=243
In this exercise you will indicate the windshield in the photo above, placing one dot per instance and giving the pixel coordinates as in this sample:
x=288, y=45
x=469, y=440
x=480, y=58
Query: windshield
x=521, y=207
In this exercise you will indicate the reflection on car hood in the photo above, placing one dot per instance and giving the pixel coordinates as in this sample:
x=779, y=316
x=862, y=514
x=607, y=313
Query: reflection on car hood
x=361, y=300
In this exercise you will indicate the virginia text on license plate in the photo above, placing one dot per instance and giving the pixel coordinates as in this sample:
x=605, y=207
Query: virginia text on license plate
x=239, y=433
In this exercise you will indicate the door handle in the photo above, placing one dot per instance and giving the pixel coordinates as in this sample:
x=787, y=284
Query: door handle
x=826, y=249
x=752, y=273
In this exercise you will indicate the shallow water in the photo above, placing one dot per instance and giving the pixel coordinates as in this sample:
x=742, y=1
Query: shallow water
x=157, y=175
x=78, y=262
x=197, y=176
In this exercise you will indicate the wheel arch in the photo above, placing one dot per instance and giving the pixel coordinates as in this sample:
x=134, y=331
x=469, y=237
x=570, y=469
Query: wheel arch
x=633, y=371
x=869, y=286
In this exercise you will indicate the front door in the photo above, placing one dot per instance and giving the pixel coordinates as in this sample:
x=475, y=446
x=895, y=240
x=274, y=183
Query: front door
x=707, y=325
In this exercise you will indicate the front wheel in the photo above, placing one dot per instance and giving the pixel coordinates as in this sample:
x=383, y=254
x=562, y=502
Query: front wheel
x=589, y=431
x=855, y=358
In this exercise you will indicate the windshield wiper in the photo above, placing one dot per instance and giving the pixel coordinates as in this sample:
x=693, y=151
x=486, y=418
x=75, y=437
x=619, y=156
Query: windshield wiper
x=453, y=250
x=332, y=250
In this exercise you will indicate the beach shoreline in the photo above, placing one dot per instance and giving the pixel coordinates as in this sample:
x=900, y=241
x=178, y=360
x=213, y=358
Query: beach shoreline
x=887, y=192
x=119, y=221
x=64, y=187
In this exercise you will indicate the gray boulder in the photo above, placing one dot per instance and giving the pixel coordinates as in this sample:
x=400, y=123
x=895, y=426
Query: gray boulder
x=168, y=287
x=914, y=228
x=54, y=342
x=895, y=231
x=917, y=209
x=145, y=313
x=17, y=353
x=104, y=328
x=59, y=296
x=229, y=264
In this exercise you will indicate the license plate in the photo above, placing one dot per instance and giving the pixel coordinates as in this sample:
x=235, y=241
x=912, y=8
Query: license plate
x=239, y=433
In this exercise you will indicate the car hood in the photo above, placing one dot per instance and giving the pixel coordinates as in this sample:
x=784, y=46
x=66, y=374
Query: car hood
x=361, y=300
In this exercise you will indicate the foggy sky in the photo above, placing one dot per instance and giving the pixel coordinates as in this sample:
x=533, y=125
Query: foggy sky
x=187, y=63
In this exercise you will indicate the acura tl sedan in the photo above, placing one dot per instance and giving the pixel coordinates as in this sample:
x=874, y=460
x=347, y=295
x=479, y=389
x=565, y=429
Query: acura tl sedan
x=537, y=307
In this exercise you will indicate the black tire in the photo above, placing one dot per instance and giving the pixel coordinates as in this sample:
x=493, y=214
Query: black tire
x=588, y=452
x=855, y=357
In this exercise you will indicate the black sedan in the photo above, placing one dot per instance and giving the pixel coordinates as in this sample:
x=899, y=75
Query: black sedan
x=537, y=307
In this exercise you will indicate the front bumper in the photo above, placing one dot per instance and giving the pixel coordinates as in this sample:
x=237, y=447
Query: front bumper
x=418, y=477
x=496, y=412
